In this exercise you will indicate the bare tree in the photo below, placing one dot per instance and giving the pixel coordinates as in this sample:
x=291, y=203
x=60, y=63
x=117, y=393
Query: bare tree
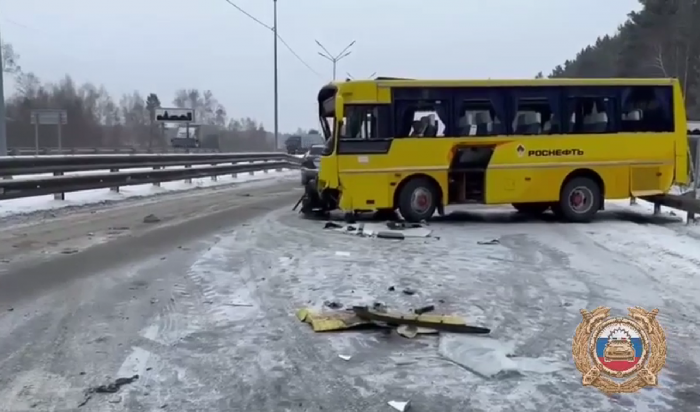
x=10, y=59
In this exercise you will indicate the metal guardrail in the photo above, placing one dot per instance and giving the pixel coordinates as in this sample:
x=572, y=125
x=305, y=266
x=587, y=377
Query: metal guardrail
x=29, y=151
x=205, y=165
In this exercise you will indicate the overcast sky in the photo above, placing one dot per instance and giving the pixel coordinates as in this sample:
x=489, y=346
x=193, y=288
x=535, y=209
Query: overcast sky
x=162, y=45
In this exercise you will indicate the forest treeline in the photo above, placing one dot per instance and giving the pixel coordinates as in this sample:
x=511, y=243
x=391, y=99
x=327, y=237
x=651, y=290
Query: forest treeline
x=98, y=119
x=660, y=40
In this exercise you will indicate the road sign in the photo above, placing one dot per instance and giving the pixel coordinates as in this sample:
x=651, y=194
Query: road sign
x=174, y=115
x=49, y=116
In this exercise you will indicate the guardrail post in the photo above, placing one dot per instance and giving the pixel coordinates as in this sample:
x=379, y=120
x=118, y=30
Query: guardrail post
x=156, y=168
x=657, y=209
x=214, y=178
x=188, y=167
x=266, y=170
x=114, y=188
x=234, y=175
x=59, y=196
x=633, y=200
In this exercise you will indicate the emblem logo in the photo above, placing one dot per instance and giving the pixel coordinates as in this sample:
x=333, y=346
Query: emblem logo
x=619, y=354
x=521, y=150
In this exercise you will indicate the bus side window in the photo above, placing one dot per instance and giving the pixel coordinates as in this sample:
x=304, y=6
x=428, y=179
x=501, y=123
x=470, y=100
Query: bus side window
x=591, y=112
x=366, y=122
x=478, y=118
x=421, y=118
x=535, y=116
x=647, y=109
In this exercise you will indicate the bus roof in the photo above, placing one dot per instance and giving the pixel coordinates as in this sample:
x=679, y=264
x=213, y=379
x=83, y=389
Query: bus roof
x=505, y=82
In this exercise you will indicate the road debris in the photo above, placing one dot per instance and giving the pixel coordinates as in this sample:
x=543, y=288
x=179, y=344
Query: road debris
x=112, y=387
x=69, y=251
x=332, y=225
x=345, y=357
x=409, y=292
x=402, y=225
x=332, y=304
x=395, y=230
x=400, y=405
x=424, y=309
x=407, y=325
x=489, y=242
x=390, y=235
x=341, y=253
x=327, y=322
x=151, y=219
x=444, y=323
x=410, y=332
x=491, y=358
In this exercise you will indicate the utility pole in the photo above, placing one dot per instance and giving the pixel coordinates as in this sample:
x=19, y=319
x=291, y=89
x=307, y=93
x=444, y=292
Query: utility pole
x=351, y=77
x=338, y=57
x=3, y=112
x=274, y=29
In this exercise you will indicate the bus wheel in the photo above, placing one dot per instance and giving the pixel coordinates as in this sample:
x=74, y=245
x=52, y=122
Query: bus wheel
x=531, y=208
x=418, y=200
x=580, y=200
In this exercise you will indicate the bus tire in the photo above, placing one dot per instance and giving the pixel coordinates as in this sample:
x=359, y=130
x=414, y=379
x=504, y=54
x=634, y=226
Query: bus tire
x=418, y=200
x=533, y=209
x=580, y=199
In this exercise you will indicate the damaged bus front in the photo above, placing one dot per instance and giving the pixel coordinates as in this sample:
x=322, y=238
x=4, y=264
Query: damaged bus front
x=322, y=193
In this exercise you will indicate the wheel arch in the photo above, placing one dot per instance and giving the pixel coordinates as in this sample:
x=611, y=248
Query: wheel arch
x=590, y=174
x=405, y=180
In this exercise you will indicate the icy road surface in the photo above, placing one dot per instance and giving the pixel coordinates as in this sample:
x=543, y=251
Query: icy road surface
x=209, y=325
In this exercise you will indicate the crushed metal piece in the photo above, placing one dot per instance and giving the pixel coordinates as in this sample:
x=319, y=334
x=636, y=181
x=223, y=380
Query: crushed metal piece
x=489, y=242
x=400, y=405
x=443, y=323
x=332, y=304
x=424, y=309
x=151, y=219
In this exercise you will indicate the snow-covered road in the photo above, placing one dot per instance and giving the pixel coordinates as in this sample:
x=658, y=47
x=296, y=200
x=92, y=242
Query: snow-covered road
x=210, y=326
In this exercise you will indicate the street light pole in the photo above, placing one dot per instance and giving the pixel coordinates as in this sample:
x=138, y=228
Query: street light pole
x=3, y=112
x=274, y=29
x=338, y=57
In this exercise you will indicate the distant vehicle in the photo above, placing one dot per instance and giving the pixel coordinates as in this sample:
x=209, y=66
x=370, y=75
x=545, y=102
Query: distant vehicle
x=293, y=144
x=310, y=163
x=299, y=144
x=563, y=145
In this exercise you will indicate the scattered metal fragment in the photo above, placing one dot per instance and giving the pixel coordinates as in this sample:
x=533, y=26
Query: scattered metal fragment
x=424, y=309
x=151, y=219
x=379, y=307
x=69, y=251
x=402, y=225
x=326, y=322
x=489, y=242
x=391, y=235
x=392, y=288
x=407, y=331
x=332, y=225
x=112, y=387
x=409, y=292
x=345, y=357
x=332, y=304
x=400, y=405
x=438, y=322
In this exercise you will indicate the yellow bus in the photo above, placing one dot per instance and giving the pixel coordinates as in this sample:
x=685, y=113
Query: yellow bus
x=540, y=144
